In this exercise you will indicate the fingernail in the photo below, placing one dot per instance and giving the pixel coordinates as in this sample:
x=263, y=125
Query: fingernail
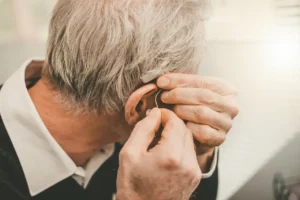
x=148, y=112
x=154, y=111
x=163, y=82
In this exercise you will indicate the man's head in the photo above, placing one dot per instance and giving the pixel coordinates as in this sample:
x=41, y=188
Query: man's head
x=98, y=50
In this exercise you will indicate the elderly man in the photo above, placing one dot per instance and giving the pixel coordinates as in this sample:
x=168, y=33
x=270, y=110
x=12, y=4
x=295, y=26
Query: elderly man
x=82, y=125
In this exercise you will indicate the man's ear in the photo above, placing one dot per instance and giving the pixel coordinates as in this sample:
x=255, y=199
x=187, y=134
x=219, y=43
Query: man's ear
x=139, y=102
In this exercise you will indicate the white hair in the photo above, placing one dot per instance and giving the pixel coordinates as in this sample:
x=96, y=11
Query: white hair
x=98, y=50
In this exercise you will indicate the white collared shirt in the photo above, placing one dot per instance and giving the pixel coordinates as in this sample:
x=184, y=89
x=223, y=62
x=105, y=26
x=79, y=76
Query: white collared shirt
x=43, y=160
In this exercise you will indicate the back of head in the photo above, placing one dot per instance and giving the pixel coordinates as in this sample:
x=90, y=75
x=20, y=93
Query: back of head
x=99, y=49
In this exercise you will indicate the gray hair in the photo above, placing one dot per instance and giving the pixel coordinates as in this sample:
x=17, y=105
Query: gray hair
x=99, y=49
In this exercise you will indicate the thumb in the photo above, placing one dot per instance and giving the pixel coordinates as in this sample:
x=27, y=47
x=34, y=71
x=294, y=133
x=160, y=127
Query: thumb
x=144, y=131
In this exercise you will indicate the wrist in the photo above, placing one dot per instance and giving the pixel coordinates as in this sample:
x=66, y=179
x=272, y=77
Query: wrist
x=205, y=160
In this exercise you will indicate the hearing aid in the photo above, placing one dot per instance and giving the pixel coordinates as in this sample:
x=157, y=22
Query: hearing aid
x=150, y=76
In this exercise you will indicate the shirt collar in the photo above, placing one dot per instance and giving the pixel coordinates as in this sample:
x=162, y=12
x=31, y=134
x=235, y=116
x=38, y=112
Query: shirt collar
x=43, y=161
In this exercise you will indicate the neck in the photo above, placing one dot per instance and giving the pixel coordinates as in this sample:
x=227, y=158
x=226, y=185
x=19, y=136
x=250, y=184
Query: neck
x=80, y=135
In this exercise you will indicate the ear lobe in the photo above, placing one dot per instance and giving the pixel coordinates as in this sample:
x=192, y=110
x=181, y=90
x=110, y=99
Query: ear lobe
x=136, y=105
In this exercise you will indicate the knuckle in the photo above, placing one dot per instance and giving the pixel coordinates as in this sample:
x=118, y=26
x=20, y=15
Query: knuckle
x=198, y=97
x=222, y=139
x=195, y=111
x=229, y=126
x=190, y=172
x=143, y=125
x=177, y=109
x=181, y=81
x=175, y=121
x=197, y=178
x=220, y=120
x=171, y=163
x=200, y=112
x=138, y=125
x=194, y=175
x=197, y=174
x=175, y=93
x=194, y=128
x=171, y=124
x=235, y=111
x=203, y=83
x=128, y=155
x=211, y=98
x=204, y=111
x=206, y=136
x=205, y=140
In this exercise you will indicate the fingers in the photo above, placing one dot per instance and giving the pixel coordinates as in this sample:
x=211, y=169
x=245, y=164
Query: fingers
x=173, y=135
x=175, y=80
x=174, y=129
x=206, y=135
x=192, y=96
x=198, y=96
x=204, y=115
x=144, y=131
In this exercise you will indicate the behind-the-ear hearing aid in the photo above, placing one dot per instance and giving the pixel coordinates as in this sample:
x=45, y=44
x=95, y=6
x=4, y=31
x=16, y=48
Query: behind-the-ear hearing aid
x=150, y=76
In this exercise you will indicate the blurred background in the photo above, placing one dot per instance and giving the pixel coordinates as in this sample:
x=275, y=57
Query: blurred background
x=255, y=44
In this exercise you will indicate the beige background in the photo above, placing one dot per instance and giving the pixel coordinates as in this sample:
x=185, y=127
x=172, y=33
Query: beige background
x=239, y=50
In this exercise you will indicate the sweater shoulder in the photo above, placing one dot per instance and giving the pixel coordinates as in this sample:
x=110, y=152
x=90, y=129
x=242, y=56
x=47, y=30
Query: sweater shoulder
x=11, y=173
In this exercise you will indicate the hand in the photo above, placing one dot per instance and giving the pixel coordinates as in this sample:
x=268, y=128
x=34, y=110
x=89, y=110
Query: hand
x=169, y=170
x=207, y=104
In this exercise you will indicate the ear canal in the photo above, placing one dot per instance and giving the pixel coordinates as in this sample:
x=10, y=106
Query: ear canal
x=138, y=106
